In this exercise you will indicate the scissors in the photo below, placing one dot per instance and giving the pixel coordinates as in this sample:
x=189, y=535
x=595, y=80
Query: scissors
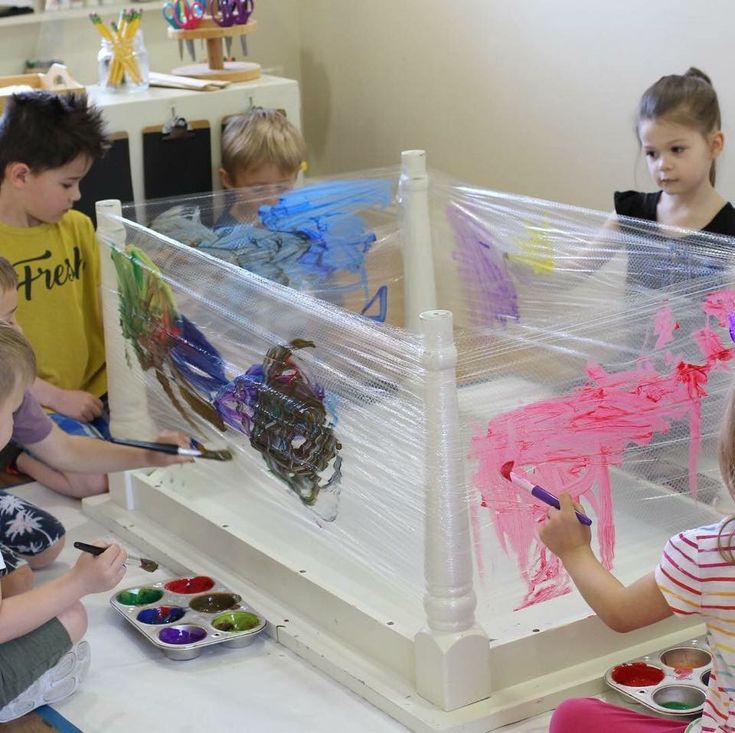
x=183, y=14
x=227, y=13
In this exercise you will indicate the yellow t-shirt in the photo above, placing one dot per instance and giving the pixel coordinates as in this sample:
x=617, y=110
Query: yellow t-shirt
x=59, y=308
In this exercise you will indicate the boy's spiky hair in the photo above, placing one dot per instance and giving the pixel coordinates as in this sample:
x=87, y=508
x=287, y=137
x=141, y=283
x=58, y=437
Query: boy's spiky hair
x=8, y=276
x=261, y=136
x=46, y=131
x=18, y=360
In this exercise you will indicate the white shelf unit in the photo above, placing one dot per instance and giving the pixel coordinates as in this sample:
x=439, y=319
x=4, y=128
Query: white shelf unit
x=65, y=14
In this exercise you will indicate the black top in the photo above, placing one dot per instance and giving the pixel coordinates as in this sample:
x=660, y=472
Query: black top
x=643, y=206
x=655, y=261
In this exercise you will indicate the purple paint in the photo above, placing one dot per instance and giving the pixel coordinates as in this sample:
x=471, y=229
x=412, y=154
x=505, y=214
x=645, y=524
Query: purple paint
x=182, y=634
x=481, y=268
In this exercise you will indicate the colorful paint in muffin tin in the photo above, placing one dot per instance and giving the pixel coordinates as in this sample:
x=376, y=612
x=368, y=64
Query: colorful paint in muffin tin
x=183, y=623
x=672, y=681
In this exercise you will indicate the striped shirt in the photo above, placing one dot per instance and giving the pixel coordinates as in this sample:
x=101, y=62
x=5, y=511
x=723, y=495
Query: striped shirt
x=696, y=580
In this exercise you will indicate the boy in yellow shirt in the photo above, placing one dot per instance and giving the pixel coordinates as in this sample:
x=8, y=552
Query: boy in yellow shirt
x=47, y=145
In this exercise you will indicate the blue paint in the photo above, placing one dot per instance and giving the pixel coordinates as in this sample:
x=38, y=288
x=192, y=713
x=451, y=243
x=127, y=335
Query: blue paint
x=308, y=237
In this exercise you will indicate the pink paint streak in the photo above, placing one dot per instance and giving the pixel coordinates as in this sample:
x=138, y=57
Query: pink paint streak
x=664, y=325
x=573, y=440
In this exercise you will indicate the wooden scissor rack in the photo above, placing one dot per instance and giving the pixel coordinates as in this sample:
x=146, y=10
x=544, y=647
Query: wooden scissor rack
x=216, y=66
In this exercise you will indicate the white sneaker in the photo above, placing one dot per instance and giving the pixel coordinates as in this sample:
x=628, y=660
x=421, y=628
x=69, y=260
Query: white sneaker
x=53, y=685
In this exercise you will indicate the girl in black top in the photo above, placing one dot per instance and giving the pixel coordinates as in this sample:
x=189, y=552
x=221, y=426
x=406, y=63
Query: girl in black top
x=678, y=125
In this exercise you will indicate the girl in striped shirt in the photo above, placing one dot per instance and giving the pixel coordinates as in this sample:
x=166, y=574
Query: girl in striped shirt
x=695, y=576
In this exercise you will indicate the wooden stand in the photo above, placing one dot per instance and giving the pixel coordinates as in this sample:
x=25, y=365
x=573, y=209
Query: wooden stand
x=216, y=67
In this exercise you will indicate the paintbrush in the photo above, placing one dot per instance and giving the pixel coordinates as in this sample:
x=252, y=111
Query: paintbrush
x=196, y=451
x=539, y=492
x=149, y=566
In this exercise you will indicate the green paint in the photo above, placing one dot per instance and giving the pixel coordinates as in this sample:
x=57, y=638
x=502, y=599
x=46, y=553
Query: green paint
x=236, y=621
x=677, y=706
x=149, y=321
x=139, y=596
x=147, y=306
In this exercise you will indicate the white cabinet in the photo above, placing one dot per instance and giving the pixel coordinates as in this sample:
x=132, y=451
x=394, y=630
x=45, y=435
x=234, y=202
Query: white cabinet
x=132, y=113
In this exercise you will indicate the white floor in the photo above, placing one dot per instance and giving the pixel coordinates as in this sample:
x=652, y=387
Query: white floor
x=263, y=687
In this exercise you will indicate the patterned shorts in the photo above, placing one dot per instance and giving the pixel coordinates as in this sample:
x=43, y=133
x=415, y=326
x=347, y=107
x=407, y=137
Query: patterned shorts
x=25, y=530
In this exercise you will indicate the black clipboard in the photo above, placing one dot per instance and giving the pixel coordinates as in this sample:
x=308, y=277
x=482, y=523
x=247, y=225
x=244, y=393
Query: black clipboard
x=108, y=178
x=177, y=161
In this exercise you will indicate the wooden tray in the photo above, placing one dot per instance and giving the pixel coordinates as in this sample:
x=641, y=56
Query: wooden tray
x=56, y=79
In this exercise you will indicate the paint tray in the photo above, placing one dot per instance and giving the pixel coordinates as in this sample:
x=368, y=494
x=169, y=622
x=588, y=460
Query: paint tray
x=182, y=616
x=671, y=682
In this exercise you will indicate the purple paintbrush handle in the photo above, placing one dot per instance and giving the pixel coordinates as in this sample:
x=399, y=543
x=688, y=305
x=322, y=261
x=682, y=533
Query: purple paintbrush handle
x=548, y=498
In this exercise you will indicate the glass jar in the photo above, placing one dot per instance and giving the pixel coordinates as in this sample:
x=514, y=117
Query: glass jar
x=123, y=65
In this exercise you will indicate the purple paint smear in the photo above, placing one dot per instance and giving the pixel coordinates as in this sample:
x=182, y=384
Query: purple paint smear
x=482, y=269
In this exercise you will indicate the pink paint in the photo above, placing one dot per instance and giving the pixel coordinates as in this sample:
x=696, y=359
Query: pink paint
x=711, y=346
x=664, y=325
x=720, y=304
x=574, y=439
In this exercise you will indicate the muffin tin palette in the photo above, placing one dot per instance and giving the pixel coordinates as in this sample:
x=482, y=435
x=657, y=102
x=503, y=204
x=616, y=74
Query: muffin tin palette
x=671, y=682
x=181, y=616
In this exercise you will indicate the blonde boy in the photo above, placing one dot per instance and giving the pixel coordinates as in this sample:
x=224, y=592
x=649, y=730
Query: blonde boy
x=260, y=149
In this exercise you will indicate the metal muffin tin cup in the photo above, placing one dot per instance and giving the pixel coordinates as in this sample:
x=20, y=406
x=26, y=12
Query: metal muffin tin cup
x=181, y=624
x=671, y=682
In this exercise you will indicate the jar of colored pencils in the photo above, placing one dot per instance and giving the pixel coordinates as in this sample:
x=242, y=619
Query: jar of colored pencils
x=122, y=59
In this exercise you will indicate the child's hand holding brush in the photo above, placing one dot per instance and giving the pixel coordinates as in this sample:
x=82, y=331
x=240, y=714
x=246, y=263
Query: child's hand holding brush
x=149, y=566
x=97, y=574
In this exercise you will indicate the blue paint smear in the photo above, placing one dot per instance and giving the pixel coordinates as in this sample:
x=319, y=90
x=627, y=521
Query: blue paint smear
x=308, y=236
x=197, y=360
x=306, y=240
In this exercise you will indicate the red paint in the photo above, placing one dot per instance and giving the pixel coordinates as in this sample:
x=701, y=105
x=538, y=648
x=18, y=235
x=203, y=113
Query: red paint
x=199, y=584
x=637, y=674
x=506, y=469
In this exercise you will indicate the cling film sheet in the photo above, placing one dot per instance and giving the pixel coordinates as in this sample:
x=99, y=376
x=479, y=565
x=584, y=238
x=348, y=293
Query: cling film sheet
x=594, y=353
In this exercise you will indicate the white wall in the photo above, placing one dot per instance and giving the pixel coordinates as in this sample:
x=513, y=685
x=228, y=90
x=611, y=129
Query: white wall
x=531, y=96
x=534, y=96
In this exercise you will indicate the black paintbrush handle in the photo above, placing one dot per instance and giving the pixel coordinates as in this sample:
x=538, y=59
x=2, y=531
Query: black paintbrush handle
x=91, y=549
x=171, y=448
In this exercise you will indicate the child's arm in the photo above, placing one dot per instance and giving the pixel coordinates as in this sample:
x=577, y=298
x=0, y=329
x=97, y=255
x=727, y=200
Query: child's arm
x=73, y=402
x=88, y=455
x=27, y=611
x=622, y=608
